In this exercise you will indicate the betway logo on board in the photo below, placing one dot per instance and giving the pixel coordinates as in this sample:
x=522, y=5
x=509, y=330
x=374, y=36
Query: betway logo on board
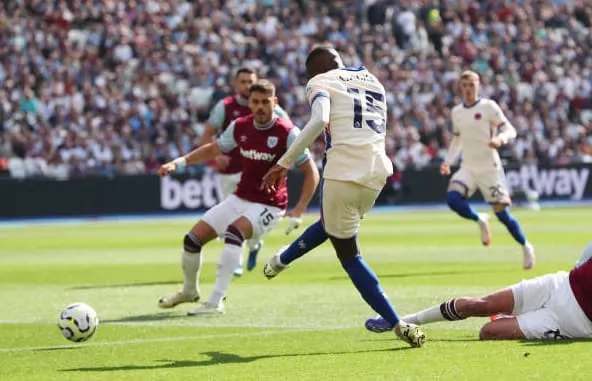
x=552, y=182
x=256, y=155
x=201, y=193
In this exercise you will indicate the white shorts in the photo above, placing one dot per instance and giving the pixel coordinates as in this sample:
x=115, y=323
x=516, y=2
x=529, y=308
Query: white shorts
x=343, y=205
x=228, y=184
x=263, y=218
x=546, y=308
x=491, y=184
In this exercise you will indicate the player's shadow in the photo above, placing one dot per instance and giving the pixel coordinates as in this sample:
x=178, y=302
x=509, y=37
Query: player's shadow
x=125, y=285
x=538, y=343
x=216, y=358
x=146, y=318
x=425, y=274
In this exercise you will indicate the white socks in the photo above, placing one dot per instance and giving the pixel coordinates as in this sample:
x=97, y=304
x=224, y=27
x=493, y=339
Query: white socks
x=229, y=260
x=429, y=315
x=190, y=263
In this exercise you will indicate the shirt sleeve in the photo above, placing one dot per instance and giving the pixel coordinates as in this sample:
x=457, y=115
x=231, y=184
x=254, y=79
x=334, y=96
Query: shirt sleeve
x=226, y=141
x=217, y=115
x=305, y=155
x=319, y=119
x=315, y=90
x=505, y=130
x=497, y=117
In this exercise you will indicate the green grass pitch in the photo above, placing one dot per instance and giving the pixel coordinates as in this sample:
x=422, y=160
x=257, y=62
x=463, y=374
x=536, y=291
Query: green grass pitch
x=307, y=324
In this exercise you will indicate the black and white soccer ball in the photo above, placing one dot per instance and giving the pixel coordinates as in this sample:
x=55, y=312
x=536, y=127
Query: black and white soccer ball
x=78, y=322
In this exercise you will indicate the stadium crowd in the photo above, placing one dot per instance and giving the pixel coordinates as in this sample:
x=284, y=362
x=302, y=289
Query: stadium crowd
x=109, y=87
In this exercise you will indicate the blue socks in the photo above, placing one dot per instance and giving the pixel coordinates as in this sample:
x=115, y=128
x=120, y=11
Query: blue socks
x=369, y=287
x=457, y=202
x=312, y=237
x=512, y=225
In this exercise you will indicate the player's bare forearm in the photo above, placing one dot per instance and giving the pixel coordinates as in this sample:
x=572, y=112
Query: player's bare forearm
x=204, y=153
x=309, y=186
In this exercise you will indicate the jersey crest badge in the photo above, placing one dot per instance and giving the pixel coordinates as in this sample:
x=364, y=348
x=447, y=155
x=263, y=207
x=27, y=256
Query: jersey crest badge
x=272, y=141
x=236, y=113
x=243, y=138
x=478, y=116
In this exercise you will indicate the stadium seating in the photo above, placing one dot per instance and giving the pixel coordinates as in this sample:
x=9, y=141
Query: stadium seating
x=103, y=88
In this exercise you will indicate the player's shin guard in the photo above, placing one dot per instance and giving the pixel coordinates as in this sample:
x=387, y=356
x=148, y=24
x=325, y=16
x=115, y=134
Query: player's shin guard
x=512, y=225
x=458, y=203
x=191, y=261
x=369, y=287
x=312, y=237
x=229, y=259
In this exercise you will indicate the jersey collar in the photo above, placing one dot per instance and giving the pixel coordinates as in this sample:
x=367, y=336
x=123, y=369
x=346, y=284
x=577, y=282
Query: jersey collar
x=472, y=105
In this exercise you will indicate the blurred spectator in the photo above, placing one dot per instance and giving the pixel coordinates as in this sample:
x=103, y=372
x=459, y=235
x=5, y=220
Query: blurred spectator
x=108, y=87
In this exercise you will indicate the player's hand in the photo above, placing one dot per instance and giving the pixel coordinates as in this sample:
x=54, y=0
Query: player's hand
x=445, y=169
x=294, y=221
x=167, y=168
x=222, y=162
x=496, y=142
x=273, y=178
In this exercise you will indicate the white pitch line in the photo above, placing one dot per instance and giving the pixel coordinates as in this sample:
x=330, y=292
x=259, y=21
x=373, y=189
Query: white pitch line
x=154, y=340
x=196, y=323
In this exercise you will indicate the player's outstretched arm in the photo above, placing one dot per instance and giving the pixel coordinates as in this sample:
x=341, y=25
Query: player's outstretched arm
x=197, y=156
x=504, y=130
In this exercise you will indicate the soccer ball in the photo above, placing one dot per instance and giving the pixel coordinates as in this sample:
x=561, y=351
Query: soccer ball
x=78, y=322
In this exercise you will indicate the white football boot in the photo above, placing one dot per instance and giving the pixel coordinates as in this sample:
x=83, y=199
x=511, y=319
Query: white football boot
x=208, y=309
x=528, y=257
x=274, y=266
x=410, y=333
x=171, y=301
x=485, y=229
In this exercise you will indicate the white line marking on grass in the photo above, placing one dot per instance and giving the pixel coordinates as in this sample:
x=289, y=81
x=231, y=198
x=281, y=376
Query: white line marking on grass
x=154, y=340
x=197, y=323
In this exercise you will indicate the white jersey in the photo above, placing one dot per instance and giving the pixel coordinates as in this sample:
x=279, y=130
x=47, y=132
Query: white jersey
x=476, y=125
x=355, y=136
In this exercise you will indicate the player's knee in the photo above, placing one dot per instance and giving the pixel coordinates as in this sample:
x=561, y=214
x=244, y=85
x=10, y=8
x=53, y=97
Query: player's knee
x=488, y=332
x=500, y=208
x=233, y=236
x=191, y=243
x=346, y=248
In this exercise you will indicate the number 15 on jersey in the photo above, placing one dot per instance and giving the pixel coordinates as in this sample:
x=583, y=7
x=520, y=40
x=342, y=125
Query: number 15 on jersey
x=374, y=103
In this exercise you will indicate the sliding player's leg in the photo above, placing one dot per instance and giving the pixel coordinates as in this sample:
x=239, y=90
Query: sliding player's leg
x=520, y=305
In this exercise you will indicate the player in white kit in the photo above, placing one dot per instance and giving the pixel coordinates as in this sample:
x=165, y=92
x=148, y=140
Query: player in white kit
x=480, y=128
x=349, y=105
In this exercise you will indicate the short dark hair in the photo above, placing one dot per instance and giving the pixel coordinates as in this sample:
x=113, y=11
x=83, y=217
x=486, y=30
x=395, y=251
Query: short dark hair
x=245, y=70
x=318, y=50
x=263, y=86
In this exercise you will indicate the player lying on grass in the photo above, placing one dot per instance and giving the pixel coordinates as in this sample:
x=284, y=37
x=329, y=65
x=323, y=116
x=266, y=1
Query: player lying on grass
x=261, y=138
x=480, y=128
x=551, y=306
x=349, y=105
